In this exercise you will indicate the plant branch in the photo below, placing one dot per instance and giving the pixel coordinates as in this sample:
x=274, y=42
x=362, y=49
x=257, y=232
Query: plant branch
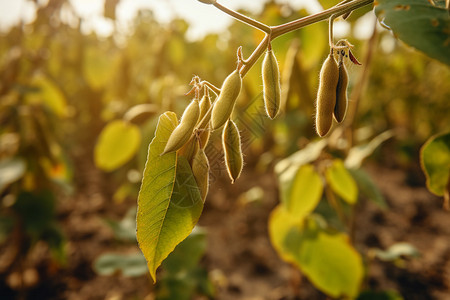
x=276, y=31
x=242, y=18
x=337, y=10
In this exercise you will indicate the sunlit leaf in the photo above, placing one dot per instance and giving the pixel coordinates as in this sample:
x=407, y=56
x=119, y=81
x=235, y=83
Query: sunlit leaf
x=169, y=202
x=328, y=260
x=305, y=193
x=98, y=67
x=418, y=23
x=396, y=251
x=435, y=161
x=368, y=187
x=117, y=144
x=49, y=94
x=357, y=154
x=341, y=182
x=306, y=155
x=10, y=171
x=285, y=232
x=332, y=264
x=129, y=265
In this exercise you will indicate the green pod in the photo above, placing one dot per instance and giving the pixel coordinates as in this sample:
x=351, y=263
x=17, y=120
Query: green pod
x=326, y=95
x=200, y=169
x=231, y=141
x=181, y=134
x=204, y=120
x=340, y=108
x=223, y=106
x=271, y=84
x=189, y=149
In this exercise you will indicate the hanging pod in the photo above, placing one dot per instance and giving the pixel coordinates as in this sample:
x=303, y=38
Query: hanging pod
x=200, y=169
x=271, y=84
x=181, y=134
x=231, y=141
x=326, y=95
x=204, y=120
x=223, y=106
x=340, y=108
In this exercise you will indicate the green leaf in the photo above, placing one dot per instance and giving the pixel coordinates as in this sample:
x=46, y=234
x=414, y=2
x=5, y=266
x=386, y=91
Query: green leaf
x=184, y=277
x=124, y=230
x=332, y=264
x=117, y=144
x=305, y=192
x=341, y=182
x=49, y=94
x=368, y=187
x=11, y=170
x=357, y=154
x=99, y=67
x=169, y=202
x=285, y=232
x=435, y=162
x=36, y=210
x=328, y=260
x=187, y=254
x=308, y=154
x=396, y=251
x=419, y=24
x=129, y=265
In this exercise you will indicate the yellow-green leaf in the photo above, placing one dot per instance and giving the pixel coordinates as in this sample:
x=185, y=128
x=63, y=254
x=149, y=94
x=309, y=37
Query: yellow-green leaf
x=98, y=67
x=169, y=202
x=117, y=144
x=285, y=232
x=342, y=182
x=328, y=260
x=332, y=264
x=435, y=161
x=49, y=95
x=306, y=192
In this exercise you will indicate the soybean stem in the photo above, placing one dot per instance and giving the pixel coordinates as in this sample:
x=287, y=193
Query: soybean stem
x=276, y=31
x=243, y=18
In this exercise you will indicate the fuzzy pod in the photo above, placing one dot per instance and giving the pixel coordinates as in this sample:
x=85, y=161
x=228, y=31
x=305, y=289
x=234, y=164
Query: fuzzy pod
x=326, y=95
x=200, y=169
x=189, y=149
x=271, y=84
x=231, y=141
x=181, y=134
x=204, y=120
x=223, y=106
x=340, y=108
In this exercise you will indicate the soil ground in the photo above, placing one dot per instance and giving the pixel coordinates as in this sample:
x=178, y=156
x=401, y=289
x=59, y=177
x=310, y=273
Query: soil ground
x=240, y=259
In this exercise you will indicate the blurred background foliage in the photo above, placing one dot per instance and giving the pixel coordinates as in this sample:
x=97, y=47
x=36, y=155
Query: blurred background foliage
x=59, y=88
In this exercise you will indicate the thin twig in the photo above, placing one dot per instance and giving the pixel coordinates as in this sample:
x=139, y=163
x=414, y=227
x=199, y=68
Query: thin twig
x=337, y=10
x=279, y=30
x=242, y=18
